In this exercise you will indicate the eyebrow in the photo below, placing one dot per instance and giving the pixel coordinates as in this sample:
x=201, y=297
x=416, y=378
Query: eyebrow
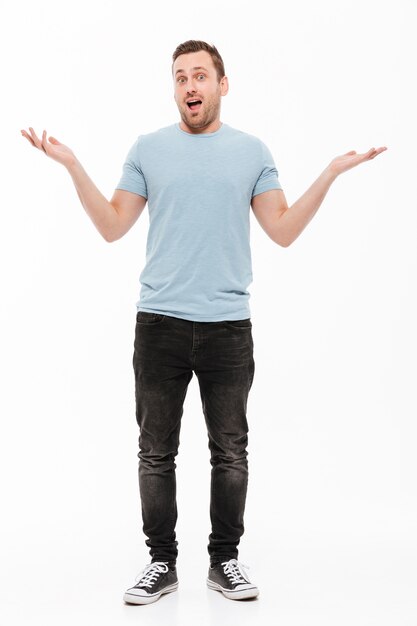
x=199, y=67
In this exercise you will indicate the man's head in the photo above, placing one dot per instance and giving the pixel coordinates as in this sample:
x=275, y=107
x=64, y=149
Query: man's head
x=198, y=74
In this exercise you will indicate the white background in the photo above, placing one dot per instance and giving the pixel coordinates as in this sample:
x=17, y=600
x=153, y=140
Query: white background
x=331, y=509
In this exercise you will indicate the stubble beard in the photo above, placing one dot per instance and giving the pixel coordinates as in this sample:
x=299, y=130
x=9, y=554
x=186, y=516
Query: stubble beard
x=196, y=121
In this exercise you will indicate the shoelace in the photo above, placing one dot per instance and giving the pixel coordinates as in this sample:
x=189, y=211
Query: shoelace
x=234, y=569
x=150, y=573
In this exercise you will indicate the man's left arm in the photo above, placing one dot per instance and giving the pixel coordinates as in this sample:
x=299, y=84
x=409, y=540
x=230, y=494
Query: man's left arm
x=284, y=224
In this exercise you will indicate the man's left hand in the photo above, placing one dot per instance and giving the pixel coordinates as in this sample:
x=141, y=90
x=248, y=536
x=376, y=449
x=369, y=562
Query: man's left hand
x=346, y=161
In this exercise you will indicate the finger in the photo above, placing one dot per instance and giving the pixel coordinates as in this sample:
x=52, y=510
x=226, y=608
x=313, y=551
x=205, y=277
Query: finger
x=369, y=155
x=374, y=152
x=35, y=138
x=378, y=152
x=43, y=144
x=24, y=133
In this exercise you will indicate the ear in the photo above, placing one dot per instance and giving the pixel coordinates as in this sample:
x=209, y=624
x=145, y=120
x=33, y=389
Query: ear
x=224, y=85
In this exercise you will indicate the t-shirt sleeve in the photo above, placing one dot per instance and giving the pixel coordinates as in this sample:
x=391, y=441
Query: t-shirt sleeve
x=132, y=178
x=268, y=178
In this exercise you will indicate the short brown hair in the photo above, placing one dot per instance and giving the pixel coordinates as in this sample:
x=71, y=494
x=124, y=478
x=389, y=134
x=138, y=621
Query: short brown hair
x=193, y=45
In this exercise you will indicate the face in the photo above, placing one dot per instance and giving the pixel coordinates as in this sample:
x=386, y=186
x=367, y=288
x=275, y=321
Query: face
x=195, y=78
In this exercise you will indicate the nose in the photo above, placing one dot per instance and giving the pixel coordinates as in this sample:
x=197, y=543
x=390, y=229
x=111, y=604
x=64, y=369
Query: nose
x=191, y=86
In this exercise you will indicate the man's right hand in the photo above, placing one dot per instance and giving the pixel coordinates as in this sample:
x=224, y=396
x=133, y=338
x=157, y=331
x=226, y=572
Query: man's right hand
x=112, y=219
x=54, y=149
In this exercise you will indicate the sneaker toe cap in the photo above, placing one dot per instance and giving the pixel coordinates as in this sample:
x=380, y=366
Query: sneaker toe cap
x=139, y=593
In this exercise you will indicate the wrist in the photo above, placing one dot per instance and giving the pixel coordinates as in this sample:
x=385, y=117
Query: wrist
x=329, y=174
x=73, y=165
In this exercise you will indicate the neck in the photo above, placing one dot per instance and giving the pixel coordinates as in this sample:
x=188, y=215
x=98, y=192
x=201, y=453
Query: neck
x=210, y=128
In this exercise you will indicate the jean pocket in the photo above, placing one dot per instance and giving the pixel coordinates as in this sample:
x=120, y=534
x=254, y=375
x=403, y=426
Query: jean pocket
x=246, y=323
x=146, y=318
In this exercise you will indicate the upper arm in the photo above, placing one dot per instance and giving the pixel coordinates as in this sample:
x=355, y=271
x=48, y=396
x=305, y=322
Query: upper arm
x=268, y=208
x=128, y=206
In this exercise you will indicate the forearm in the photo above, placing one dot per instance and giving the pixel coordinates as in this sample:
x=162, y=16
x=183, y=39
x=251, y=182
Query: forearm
x=296, y=217
x=101, y=212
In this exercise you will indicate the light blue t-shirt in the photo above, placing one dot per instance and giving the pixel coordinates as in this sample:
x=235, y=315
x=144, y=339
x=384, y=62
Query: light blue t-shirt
x=199, y=189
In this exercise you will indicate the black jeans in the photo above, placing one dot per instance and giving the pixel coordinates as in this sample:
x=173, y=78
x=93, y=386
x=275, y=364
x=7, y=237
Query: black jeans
x=167, y=350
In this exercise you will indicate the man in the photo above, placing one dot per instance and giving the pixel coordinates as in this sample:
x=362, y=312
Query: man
x=199, y=177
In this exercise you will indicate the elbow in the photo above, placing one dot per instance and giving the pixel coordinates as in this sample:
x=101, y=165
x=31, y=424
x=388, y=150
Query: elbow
x=282, y=239
x=285, y=239
x=283, y=243
x=108, y=237
x=111, y=235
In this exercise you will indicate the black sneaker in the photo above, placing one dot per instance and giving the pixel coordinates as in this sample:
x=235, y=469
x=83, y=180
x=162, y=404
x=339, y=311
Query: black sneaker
x=155, y=579
x=230, y=578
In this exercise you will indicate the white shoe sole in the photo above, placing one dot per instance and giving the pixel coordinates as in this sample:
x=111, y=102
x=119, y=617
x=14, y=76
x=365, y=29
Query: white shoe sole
x=133, y=598
x=239, y=594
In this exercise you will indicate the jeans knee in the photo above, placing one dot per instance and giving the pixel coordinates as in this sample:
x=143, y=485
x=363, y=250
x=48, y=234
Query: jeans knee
x=231, y=457
x=157, y=461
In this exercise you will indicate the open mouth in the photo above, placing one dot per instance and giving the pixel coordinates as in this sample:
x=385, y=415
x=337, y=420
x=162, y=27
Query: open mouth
x=194, y=105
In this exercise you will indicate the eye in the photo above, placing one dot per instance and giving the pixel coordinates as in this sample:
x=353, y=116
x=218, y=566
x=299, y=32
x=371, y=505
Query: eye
x=180, y=79
x=201, y=75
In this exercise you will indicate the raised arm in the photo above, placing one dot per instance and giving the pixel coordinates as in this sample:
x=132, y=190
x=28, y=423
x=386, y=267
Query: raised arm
x=112, y=219
x=284, y=224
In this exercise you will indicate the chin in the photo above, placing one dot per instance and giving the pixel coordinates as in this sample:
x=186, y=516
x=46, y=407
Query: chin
x=194, y=123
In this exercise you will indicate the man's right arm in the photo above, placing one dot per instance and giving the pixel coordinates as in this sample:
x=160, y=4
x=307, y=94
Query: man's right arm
x=112, y=219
